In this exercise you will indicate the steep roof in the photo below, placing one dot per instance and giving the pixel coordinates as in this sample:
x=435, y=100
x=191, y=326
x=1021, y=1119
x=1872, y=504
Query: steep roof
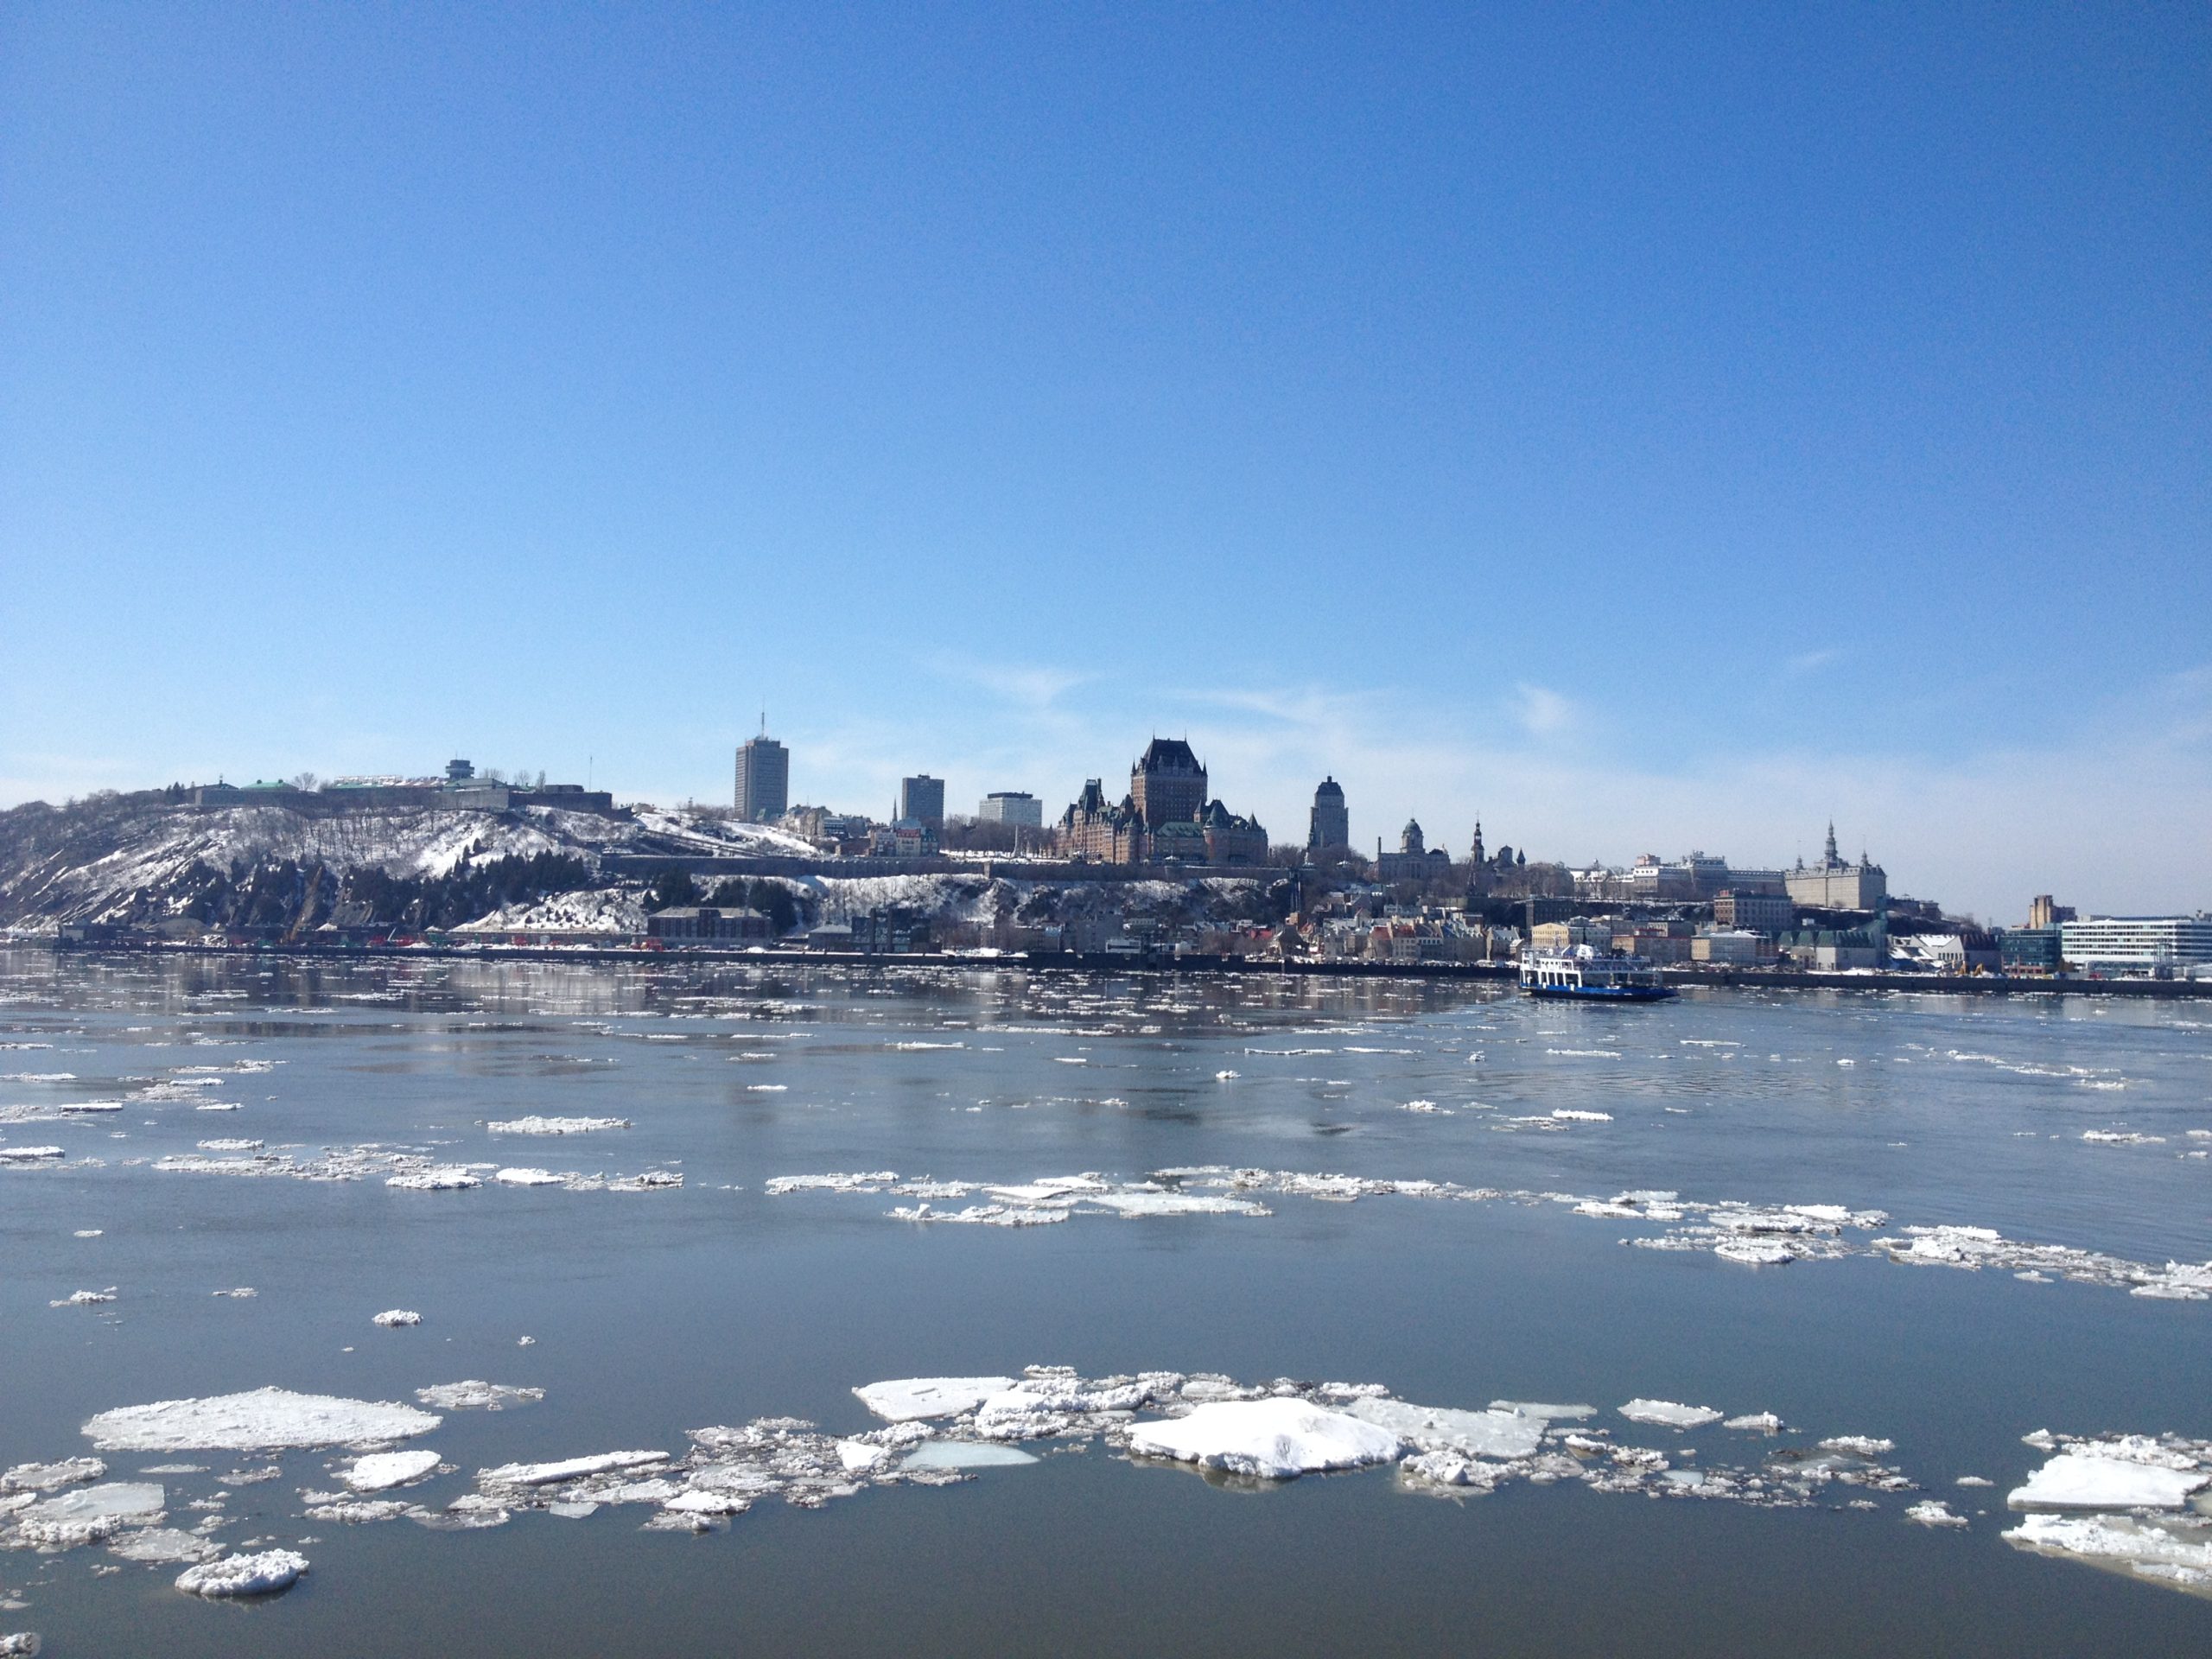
x=1169, y=754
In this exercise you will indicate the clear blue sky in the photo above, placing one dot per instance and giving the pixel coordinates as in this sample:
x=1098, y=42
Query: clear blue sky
x=1646, y=428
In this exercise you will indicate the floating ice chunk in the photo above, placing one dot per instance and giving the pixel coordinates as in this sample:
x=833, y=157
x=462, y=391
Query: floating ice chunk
x=531, y=1177
x=1933, y=1512
x=52, y=1477
x=2122, y=1138
x=965, y=1454
x=1224, y=1076
x=2169, y=1550
x=392, y=1318
x=1668, y=1415
x=571, y=1511
x=1496, y=1435
x=230, y=1145
x=1858, y=1446
x=27, y=1154
x=237, y=1293
x=2080, y=1478
x=85, y=1298
x=1757, y=1422
x=1550, y=1414
x=919, y=1046
x=24, y=1644
x=441, y=1177
x=89, y=1514
x=546, y=1474
x=859, y=1457
x=261, y=1419
x=1568, y=1114
x=1177, y=1203
x=475, y=1395
x=982, y=1215
x=556, y=1125
x=1272, y=1439
x=167, y=1546
x=909, y=1399
x=707, y=1502
x=355, y=1512
x=1972, y=1480
x=1755, y=1252
x=380, y=1469
x=266, y=1575
x=776, y=1187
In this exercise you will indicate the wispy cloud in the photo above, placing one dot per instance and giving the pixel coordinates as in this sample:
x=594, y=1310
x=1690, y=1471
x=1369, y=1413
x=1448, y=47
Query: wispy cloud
x=1031, y=686
x=1542, y=711
x=1810, y=661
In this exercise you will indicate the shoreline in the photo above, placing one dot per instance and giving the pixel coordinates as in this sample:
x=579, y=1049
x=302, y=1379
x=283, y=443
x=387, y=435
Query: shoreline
x=1072, y=962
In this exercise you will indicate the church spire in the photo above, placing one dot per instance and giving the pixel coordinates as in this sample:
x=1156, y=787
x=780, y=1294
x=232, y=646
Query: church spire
x=1832, y=857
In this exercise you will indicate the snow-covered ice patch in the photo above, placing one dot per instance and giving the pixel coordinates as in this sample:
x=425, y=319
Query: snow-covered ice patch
x=910, y=1399
x=380, y=1469
x=1668, y=1414
x=1269, y=1440
x=264, y=1575
x=260, y=1419
x=392, y=1318
x=473, y=1396
x=556, y=1125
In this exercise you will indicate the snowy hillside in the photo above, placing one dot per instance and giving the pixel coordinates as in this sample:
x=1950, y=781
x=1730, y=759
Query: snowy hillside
x=141, y=859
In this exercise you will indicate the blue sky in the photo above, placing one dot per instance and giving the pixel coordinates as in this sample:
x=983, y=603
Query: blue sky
x=1649, y=429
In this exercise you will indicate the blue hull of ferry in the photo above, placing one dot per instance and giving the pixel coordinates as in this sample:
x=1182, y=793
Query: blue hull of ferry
x=1602, y=993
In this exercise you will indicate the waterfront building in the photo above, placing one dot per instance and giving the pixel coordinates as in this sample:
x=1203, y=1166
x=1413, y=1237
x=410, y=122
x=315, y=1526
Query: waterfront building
x=1832, y=884
x=705, y=924
x=1166, y=816
x=1732, y=947
x=1011, y=806
x=2137, y=945
x=922, y=800
x=764, y=778
x=2031, y=950
x=1762, y=912
x=1330, y=824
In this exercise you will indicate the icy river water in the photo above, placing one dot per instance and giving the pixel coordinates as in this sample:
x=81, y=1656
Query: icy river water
x=1331, y=1201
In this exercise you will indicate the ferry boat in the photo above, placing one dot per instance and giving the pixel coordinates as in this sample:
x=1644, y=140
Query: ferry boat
x=1584, y=977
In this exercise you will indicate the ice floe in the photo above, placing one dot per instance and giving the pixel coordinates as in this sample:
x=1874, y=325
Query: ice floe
x=965, y=1454
x=1667, y=1414
x=87, y=1515
x=2174, y=1551
x=556, y=1125
x=263, y=1574
x=260, y=1419
x=378, y=1471
x=914, y=1398
x=2130, y=1473
x=1269, y=1440
x=392, y=1318
x=477, y=1395
x=1933, y=1512
x=567, y=1469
